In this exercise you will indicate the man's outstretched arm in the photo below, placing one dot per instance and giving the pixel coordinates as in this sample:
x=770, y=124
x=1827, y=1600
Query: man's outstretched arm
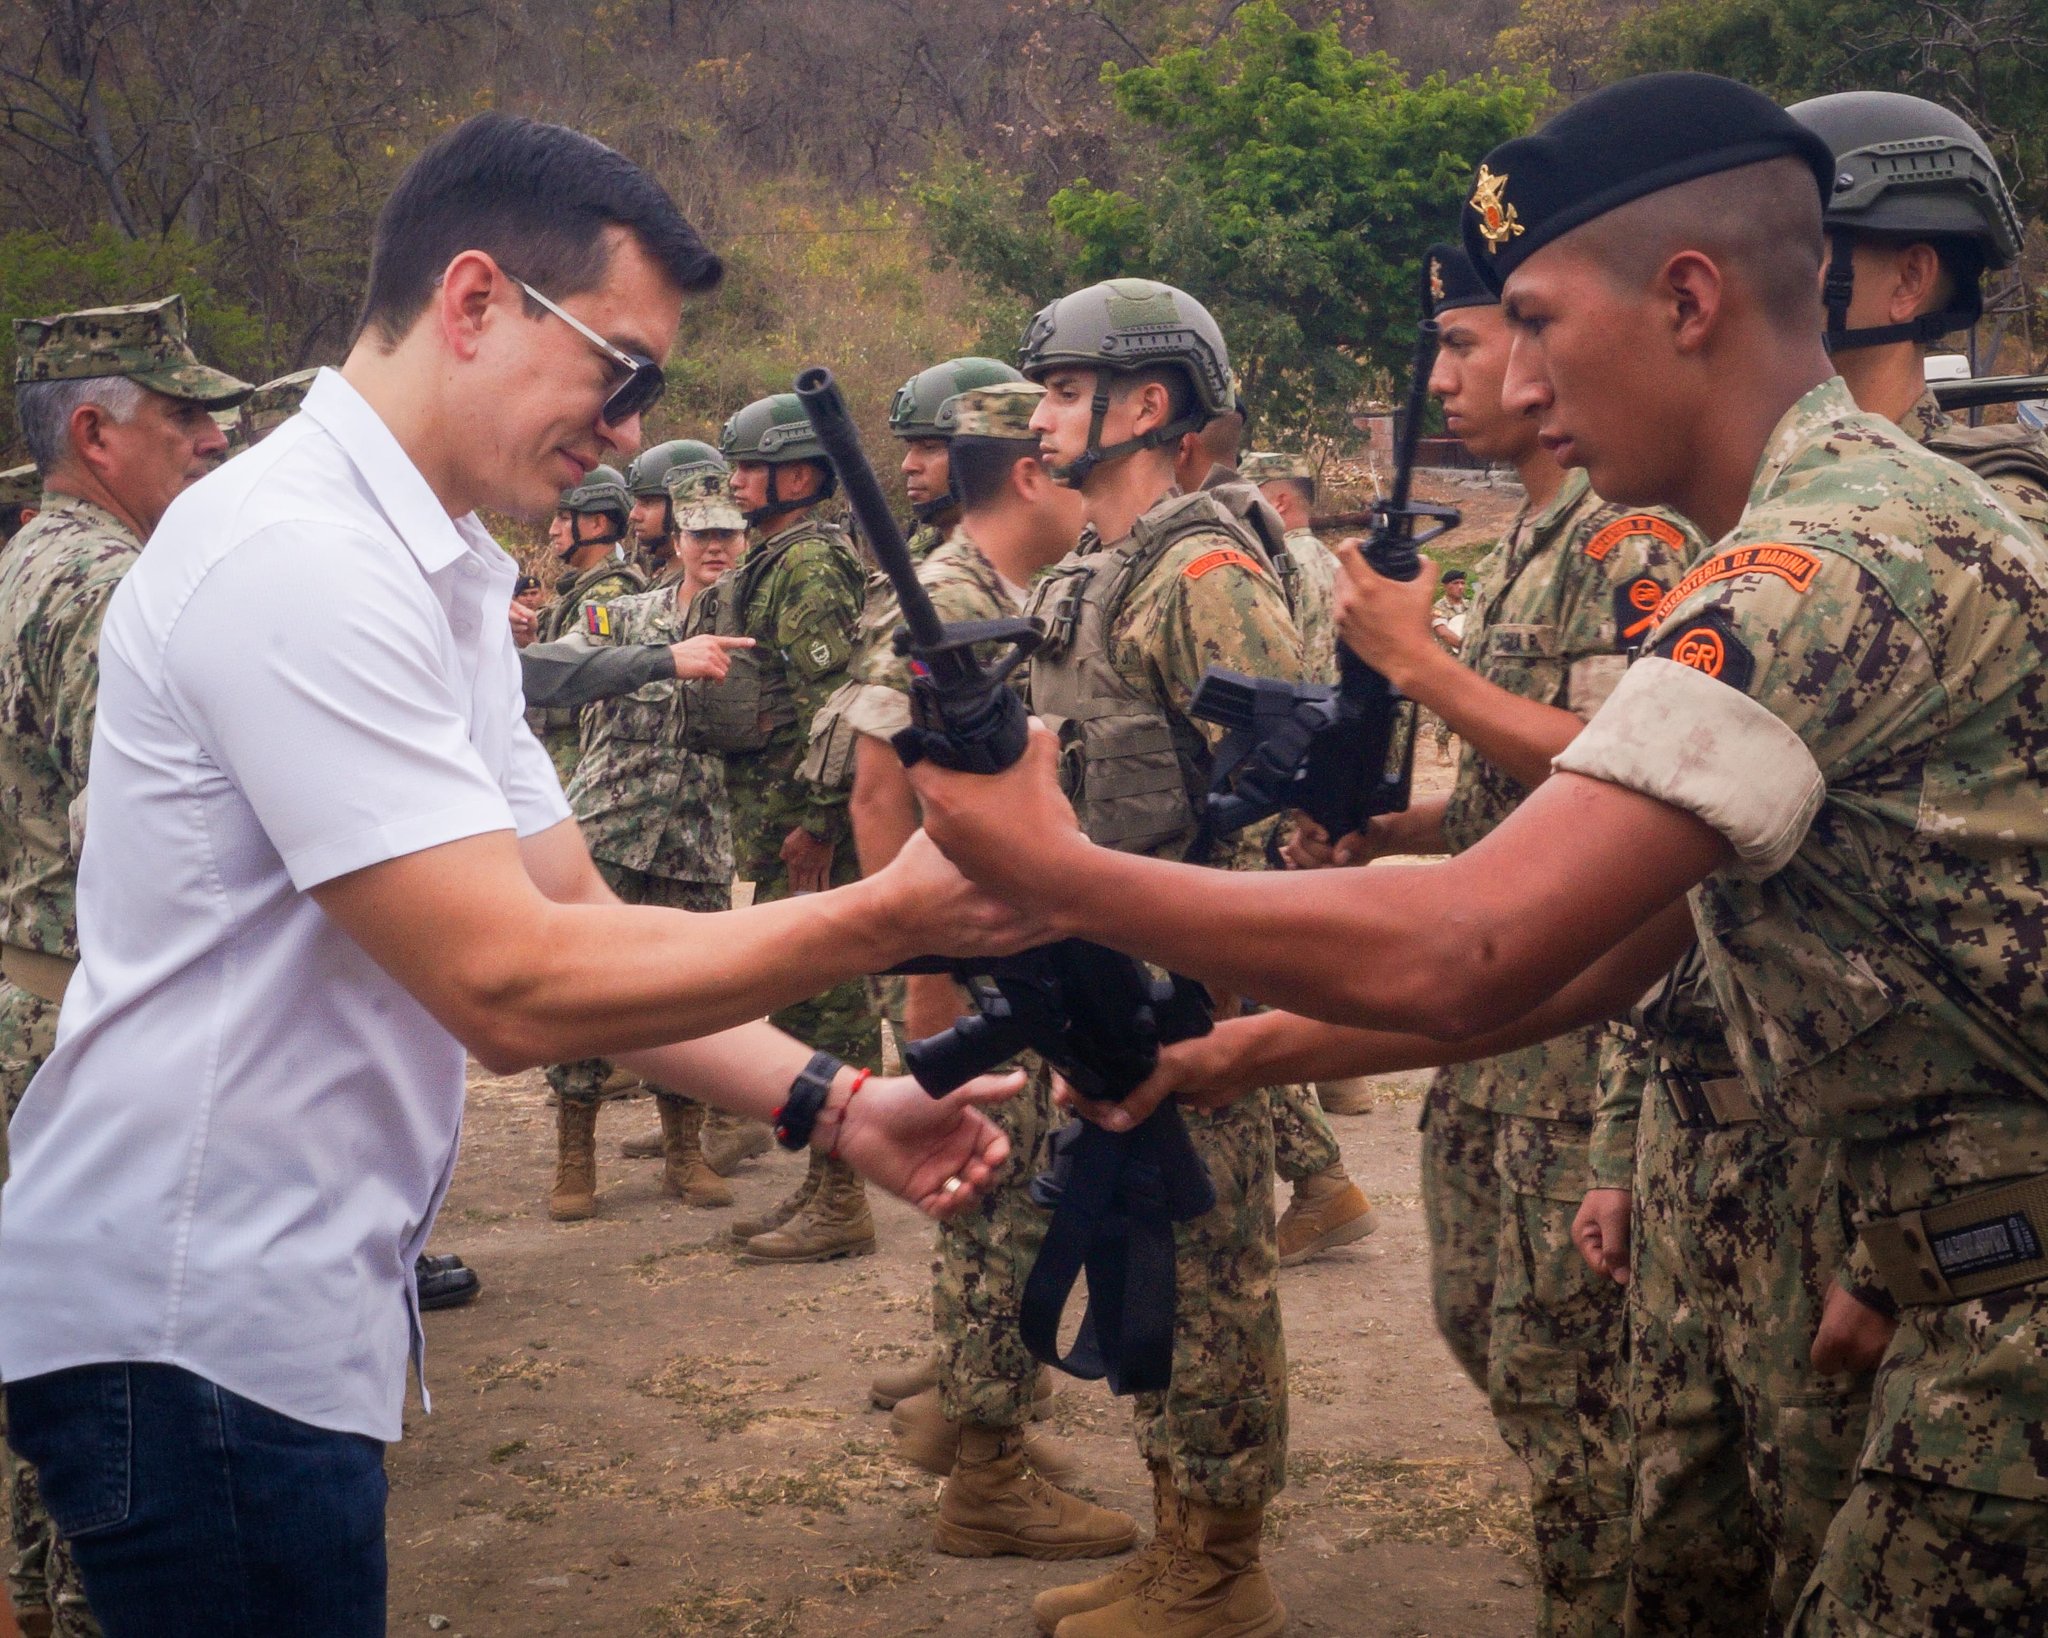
x=1450, y=950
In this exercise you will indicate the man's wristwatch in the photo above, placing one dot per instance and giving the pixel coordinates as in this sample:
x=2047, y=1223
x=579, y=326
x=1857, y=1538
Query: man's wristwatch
x=798, y=1116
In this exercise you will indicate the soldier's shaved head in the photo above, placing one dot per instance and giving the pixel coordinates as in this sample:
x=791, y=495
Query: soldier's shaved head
x=1760, y=224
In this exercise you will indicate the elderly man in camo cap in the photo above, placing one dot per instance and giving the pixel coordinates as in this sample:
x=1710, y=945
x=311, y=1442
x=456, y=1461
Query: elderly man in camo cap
x=114, y=408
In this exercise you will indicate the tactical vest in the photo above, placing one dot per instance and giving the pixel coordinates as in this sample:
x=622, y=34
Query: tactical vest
x=743, y=712
x=2009, y=451
x=559, y=619
x=1119, y=762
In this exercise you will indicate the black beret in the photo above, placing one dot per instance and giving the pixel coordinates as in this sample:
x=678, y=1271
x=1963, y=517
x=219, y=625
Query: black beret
x=1626, y=140
x=1453, y=281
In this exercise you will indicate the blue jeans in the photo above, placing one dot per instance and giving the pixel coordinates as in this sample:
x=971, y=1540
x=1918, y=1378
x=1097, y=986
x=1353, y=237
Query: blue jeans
x=191, y=1510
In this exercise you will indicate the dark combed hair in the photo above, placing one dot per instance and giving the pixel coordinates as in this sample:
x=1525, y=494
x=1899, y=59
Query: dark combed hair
x=980, y=467
x=537, y=199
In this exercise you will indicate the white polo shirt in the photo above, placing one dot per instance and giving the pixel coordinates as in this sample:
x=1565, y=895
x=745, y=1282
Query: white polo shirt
x=241, y=1139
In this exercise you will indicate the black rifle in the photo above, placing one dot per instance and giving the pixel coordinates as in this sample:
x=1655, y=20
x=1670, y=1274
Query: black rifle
x=1339, y=754
x=1096, y=1016
x=1989, y=389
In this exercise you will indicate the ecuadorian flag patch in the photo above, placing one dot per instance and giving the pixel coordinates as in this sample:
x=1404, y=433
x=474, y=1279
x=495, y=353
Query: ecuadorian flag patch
x=597, y=620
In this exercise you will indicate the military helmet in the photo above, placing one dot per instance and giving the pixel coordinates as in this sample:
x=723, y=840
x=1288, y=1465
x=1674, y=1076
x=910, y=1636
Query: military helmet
x=1907, y=166
x=924, y=406
x=1132, y=324
x=646, y=476
x=603, y=489
x=774, y=429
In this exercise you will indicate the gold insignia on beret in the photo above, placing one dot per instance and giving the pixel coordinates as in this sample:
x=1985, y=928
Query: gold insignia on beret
x=1436, y=279
x=1498, y=222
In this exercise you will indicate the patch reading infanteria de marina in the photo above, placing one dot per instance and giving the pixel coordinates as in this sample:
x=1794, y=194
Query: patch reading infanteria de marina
x=1216, y=560
x=1794, y=565
x=1636, y=523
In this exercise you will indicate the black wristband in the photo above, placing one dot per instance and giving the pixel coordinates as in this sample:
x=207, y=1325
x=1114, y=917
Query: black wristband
x=798, y=1116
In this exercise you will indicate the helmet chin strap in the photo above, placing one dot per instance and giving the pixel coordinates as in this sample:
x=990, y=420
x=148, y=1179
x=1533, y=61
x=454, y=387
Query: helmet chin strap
x=775, y=505
x=932, y=510
x=1075, y=473
x=1840, y=286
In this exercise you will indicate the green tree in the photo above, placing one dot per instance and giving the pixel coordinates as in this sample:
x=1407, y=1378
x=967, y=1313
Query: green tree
x=1983, y=58
x=1289, y=182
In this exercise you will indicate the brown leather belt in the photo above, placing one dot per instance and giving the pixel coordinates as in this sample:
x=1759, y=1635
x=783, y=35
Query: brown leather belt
x=1963, y=1248
x=41, y=974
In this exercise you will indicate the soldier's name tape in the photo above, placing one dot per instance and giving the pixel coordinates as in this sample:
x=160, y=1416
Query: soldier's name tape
x=1969, y=1247
x=41, y=974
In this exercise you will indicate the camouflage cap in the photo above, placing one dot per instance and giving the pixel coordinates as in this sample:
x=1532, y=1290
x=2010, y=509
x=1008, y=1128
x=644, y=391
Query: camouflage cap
x=274, y=403
x=701, y=498
x=1000, y=411
x=144, y=342
x=1264, y=465
x=20, y=486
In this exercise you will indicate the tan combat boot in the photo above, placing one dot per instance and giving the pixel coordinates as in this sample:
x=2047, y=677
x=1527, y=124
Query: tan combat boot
x=784, y=1209
x=891, y=1387
x=1350, y=1096
x=994, y=1505
x=731, y=1139
x=836, y=1223
x=575, y=1192
x=925, y=1436
x=1057, y=1604
x=683, y=1172
x=1328, y=1210
x=1212, y=1587
x=647, y=1146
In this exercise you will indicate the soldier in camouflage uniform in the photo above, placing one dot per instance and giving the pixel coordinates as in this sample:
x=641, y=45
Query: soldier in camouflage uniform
x=1743, y=1450
x=654, y=816
x=274, y=403
x=1327, y=1209
x=595, y=570
x=21, y=492
x=1288, y=483
x=1506, y=1140
x=797, y=593
x=1166, y=585
x=996, y=1499
x=652, y=519
x=73, y=374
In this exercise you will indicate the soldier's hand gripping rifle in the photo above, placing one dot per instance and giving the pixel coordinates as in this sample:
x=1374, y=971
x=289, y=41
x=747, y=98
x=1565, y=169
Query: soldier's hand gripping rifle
x=1096, y=1016
x=1340, y=754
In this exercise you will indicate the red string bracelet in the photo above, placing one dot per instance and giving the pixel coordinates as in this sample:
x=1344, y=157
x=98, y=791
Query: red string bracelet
x=860, y=1079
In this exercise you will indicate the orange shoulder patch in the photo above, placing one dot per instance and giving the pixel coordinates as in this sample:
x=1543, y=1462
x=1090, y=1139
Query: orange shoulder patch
x=1216, y=560
x=1794, y=565
x=1636, y=523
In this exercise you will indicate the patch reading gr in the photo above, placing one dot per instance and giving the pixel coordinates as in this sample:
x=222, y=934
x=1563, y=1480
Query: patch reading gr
x=1635, y=609
x=1216, y=560
x=1975, y=1248
x=1710, y=645
x=1791, y=564
x=1602, y=545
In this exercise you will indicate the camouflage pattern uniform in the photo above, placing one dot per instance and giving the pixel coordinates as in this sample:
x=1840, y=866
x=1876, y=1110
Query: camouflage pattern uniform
x=1504, y=1153
x=559, y=728
x=652, y=812
x=803, y=602
x=1742, y=1451
x=55, y=581
x=1909, y=1024
x=1220, y=1429
x=54, y=587
x=986, y=1374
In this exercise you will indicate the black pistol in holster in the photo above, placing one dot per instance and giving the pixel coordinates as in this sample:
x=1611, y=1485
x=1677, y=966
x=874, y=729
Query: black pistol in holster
x=1340, y=754
x=1095, y=1015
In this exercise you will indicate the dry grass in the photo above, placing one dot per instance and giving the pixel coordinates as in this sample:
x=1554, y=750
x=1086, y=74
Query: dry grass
x=722, y=1397
x=502, y=1370
x=706, y=1611
x=1444, y=1502
x=856, y=1473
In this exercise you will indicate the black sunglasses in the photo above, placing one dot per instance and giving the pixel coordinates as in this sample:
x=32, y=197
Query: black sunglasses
x=643, y=384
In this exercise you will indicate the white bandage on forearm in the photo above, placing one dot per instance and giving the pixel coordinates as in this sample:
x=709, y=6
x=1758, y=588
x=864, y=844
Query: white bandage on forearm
x=1678, y=735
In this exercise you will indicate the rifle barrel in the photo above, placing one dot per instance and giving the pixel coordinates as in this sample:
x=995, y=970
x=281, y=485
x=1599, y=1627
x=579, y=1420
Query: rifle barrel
x=1989, y=389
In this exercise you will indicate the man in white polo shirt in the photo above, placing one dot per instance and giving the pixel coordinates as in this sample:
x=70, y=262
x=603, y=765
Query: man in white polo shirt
x=325, y=857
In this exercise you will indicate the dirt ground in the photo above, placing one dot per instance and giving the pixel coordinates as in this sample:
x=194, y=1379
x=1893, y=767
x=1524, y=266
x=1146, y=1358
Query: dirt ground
x=636, y=1434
